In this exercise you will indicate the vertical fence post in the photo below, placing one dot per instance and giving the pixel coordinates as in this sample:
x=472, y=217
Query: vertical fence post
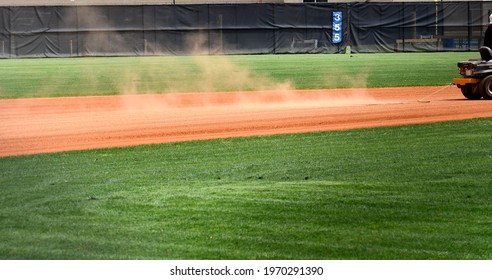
x=349, y=36
x=274, y=29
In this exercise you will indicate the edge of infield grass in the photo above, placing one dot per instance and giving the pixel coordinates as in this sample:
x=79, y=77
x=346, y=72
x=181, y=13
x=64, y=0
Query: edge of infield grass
x=410, y=192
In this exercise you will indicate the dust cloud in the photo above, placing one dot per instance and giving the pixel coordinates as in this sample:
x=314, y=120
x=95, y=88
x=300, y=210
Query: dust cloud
x=244, y=90
x=223, y=83
x=220, y=81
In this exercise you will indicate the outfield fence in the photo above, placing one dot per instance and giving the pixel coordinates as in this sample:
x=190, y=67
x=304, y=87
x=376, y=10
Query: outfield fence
x=74, y=31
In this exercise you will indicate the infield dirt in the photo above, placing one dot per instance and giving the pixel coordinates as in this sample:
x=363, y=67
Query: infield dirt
x=42, y=125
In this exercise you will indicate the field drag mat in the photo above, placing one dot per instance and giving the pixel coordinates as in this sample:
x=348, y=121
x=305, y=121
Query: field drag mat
x=42, y=125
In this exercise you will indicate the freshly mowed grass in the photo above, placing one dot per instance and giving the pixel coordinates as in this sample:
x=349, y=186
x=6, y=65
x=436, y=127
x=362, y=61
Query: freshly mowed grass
x=120, y=75
x=410, y=192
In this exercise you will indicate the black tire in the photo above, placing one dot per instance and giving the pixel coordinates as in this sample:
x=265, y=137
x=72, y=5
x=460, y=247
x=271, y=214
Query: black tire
x=471, y=92
x=486, y=88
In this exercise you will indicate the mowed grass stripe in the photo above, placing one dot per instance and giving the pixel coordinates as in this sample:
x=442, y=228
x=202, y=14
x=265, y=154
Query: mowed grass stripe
x=123, y=75
x=412, y=192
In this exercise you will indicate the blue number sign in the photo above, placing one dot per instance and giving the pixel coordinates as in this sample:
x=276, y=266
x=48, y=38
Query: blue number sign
x=337, y=28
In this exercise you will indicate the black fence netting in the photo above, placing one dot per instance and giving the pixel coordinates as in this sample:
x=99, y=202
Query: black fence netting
x=65, y=31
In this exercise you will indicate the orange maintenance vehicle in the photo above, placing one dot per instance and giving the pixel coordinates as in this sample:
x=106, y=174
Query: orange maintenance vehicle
x=477, y=76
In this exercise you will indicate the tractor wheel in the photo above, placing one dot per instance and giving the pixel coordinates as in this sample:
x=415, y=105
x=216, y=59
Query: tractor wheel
x=471, y=92
x=486, y=87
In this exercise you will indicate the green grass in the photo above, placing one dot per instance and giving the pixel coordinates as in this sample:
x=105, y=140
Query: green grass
x=117, y=75
x=410, y=192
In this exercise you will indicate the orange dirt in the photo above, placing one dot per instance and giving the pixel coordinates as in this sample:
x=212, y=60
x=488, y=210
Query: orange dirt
x=41, y=125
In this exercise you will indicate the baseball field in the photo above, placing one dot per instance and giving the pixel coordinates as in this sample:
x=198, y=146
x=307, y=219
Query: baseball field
x=362, y=156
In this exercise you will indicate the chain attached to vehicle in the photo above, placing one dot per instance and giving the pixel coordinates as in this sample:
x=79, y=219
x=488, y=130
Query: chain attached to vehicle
x=423, y=100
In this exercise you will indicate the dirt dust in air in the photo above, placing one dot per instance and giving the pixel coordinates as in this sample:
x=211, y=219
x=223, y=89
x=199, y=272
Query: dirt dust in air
x=244, y=88
x=220, y=81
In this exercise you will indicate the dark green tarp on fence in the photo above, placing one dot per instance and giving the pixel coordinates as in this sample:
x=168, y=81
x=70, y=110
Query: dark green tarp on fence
x=65, y=31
